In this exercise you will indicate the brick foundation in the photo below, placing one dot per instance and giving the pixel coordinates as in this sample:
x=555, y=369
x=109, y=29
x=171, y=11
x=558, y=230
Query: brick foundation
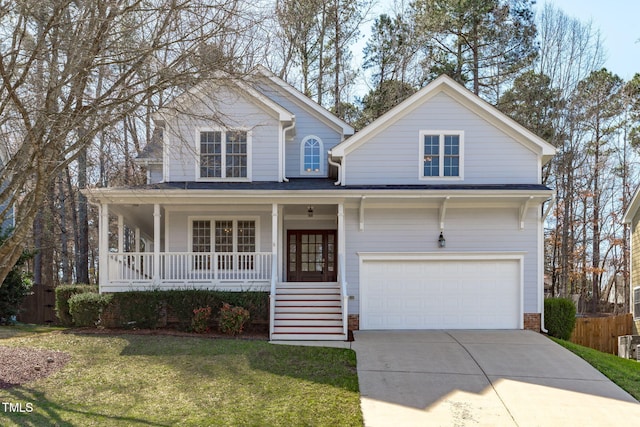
x=353, y=322
x=532, y=321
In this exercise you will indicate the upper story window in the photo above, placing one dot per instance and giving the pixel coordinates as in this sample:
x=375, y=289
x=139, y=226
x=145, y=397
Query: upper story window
x=441, y=154
x=224, y=154
x=311, y=161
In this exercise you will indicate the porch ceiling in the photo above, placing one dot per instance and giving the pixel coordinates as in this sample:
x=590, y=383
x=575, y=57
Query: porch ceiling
x=136, y=215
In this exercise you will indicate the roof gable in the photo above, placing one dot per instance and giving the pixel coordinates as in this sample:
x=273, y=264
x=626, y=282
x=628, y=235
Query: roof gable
x=445, y=84
x=632, y=210
x=202, y=91
x=305, y=102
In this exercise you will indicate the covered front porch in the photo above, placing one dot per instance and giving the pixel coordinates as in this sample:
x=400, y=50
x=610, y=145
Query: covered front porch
x=292, y=249
x=218, y=246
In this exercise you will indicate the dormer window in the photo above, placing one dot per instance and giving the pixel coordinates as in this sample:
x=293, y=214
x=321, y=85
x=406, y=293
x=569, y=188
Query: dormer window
x=312, y=161
x=441, y=154
x=224, y=154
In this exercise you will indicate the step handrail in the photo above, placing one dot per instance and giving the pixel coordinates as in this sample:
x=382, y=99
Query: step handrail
x=344, y=297
x=272, y=296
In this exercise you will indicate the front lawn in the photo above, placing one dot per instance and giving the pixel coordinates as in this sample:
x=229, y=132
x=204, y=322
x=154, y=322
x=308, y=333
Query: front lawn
x=136, y=380
x=624, y=372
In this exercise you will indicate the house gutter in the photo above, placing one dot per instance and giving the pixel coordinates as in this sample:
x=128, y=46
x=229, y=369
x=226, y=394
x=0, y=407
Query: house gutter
x=545, y=214
x=284, y=143
x=339, y=166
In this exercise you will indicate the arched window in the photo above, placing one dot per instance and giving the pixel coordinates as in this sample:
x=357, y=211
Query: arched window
x=312, y=161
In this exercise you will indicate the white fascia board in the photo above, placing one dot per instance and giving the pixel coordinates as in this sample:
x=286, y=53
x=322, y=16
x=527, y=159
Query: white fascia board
x=181, y=196
x=199, y=93
x=466, y=98
x=314, y=106
x=631, y=211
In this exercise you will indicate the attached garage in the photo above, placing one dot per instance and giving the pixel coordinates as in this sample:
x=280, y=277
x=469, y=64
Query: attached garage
x=440, y=291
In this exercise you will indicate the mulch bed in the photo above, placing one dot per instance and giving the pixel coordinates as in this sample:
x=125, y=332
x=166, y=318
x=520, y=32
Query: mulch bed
x=22, y=365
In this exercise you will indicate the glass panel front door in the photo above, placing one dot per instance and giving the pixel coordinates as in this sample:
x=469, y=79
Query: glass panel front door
x=311, y=256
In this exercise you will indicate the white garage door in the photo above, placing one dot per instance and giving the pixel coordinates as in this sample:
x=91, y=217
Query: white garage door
x=437, y=294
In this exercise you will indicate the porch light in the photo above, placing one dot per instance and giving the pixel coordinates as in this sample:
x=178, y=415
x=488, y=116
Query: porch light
x=441, y=241
x=310, y=211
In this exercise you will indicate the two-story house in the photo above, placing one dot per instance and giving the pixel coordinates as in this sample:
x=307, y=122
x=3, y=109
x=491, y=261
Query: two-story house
x=429, y=218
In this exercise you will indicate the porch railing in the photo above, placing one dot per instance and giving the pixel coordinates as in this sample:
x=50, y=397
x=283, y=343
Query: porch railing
x=191, y=266
x=131, y=266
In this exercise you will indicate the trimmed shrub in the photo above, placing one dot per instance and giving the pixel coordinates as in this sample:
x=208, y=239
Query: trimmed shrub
x=559, y=317
x=63, y=294
x=200, y=321
x=85, y=308
x=232, y=319
x=134, y=309
x=153, y=309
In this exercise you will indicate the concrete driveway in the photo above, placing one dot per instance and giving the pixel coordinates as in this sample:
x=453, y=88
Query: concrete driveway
x=482, y=378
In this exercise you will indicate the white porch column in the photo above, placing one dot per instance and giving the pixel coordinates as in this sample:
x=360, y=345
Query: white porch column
x=156, y=243
x=137, y=248
x=103, y=244
x=274, y=239
x=341, y=243
x=120, y=234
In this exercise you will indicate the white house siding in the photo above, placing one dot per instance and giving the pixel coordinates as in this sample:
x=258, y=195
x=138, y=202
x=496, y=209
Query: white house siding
x=178, y=230
x=389, y=229
x=307, y=124
x=490, y=156
x=233, y=111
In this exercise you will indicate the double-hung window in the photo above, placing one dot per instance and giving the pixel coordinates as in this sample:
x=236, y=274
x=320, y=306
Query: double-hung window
x=224, y=154
x=232, y=241
x=441, y=154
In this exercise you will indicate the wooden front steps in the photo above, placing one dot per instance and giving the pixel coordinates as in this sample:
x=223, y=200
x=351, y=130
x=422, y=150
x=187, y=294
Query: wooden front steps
x=308, y=311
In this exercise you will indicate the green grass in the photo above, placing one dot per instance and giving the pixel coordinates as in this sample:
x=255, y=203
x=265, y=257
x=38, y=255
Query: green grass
x=133, y=380
x=624, y=372
x=23, y=329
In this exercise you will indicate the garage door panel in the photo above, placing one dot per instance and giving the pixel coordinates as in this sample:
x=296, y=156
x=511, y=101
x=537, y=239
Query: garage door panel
x=460, y=294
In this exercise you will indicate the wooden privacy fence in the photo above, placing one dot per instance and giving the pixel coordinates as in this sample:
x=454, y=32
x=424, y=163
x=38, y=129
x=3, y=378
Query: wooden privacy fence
x=601, y=333
x=39, y=306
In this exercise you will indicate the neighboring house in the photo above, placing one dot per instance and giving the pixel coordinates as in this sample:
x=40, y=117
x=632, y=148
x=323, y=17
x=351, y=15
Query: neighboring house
x=632, y=217
x=429, y=218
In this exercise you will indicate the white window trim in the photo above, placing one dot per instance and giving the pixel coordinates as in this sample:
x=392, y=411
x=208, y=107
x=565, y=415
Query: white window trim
x=441, y=134
x=213, y=220
x=322, y=160
x=636, y=316
x=224, y=131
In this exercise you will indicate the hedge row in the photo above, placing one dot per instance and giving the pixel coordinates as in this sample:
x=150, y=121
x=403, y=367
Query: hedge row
x=155, y=309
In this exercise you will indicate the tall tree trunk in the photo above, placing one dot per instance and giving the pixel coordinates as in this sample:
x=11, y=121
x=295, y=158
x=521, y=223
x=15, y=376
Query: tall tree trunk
x=65, y=261
x=82, y=249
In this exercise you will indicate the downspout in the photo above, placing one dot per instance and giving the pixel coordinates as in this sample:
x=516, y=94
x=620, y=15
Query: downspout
x=339, y=166
x=284, y=144
x=545, y=214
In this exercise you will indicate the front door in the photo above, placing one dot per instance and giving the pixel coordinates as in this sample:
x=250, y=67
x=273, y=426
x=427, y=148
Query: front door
x=311, y=256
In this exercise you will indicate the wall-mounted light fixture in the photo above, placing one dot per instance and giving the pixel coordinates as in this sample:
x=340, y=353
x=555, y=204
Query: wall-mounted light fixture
x=441, y=241
x=310, y=211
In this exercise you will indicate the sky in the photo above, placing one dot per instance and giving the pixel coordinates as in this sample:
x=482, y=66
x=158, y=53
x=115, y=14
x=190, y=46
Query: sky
x=617, y=20
x=619, y=25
